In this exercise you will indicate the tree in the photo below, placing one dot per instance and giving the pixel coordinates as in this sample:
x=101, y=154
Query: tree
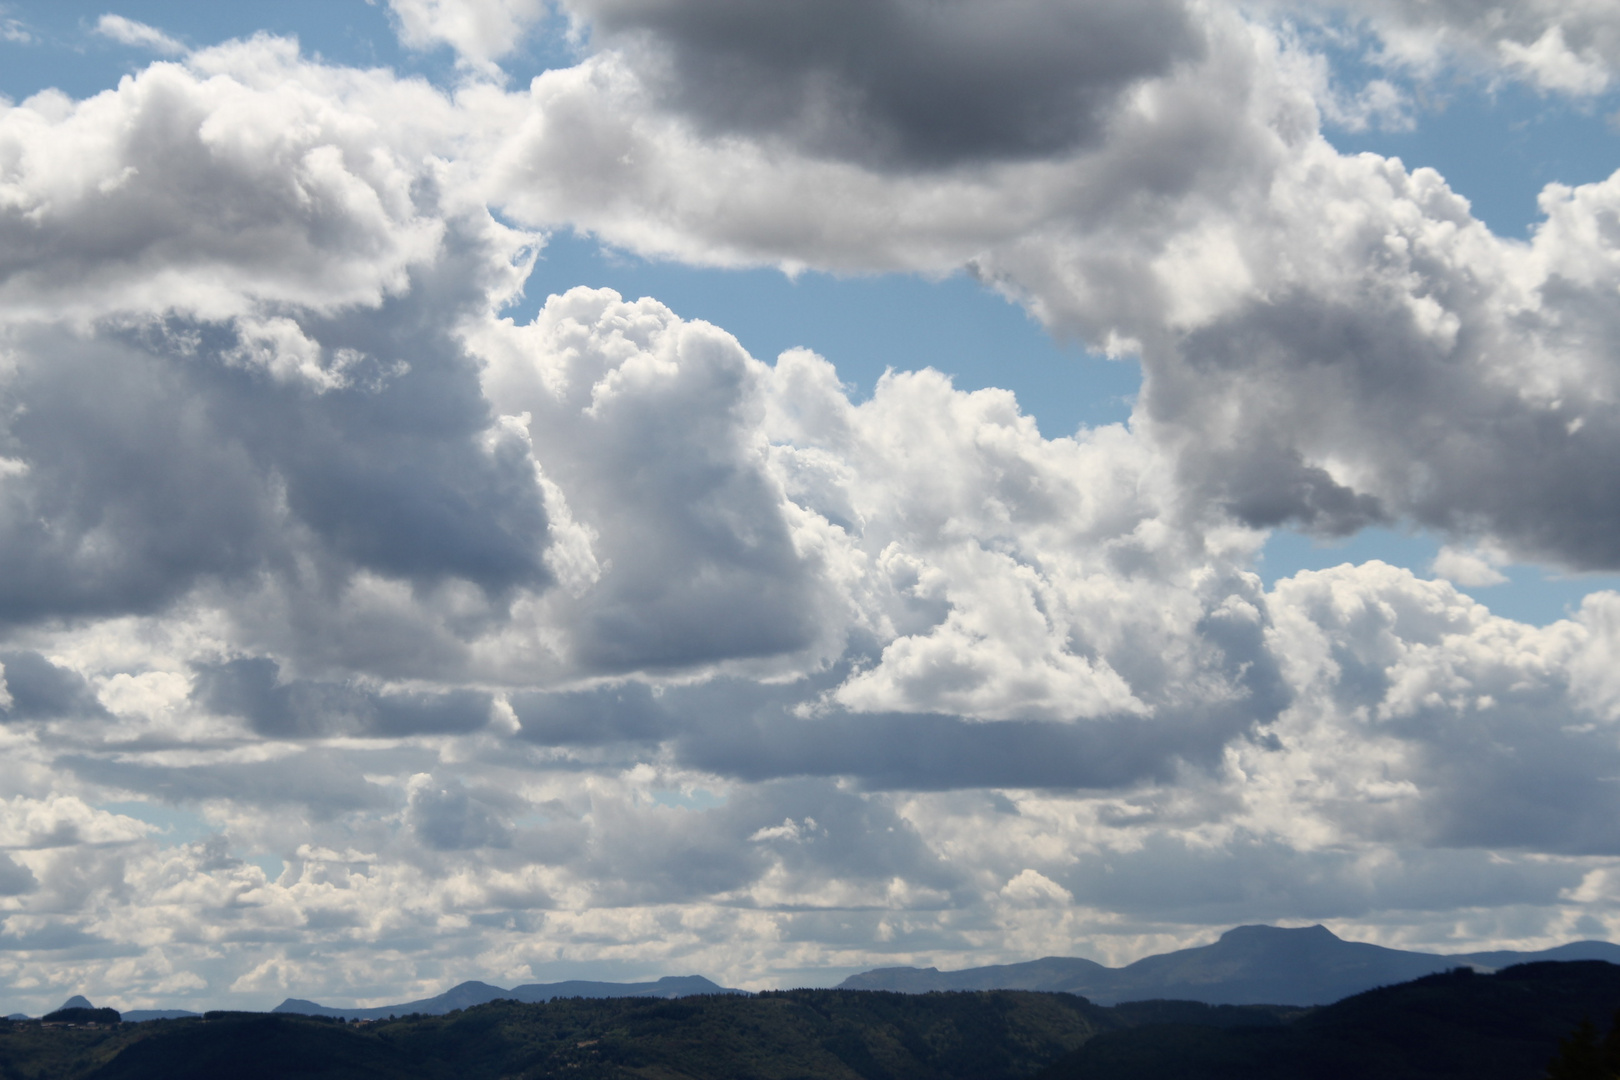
x=1581, y=1056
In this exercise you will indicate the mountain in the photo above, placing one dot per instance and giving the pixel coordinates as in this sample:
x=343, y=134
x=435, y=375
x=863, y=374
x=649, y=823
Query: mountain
x=468, y=994
x=134, y=1016
x=1454, y=1026
x=1575, y=950
x=1305, y=966
x=1054, y=973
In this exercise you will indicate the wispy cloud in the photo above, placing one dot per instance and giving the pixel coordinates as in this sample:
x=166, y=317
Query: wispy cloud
x=138, y=35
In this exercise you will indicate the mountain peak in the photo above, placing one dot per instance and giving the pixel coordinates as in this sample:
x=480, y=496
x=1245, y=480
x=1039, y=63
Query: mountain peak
x=1250, y=933
x=77, y=1001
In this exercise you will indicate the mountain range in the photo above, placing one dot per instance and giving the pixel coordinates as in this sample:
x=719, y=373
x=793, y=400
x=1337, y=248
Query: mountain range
x=468, y=994
x=1249, y=964
x=1278, y=966
x=1521, y=1022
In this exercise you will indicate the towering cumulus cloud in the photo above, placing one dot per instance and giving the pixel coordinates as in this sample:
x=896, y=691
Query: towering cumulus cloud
x=360, y=636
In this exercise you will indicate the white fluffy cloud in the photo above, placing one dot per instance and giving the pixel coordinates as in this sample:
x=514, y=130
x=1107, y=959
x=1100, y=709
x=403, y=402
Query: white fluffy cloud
x=340, y=609
x=480, y=31
x=1414, y=365
x=1568, y=48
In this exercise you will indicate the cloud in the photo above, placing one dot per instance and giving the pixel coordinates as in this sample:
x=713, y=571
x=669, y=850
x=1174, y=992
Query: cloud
x=627, y=712
x=1557, y=47
x=181, y=193
x=1473, y=730
x=898, y=83
x=449, y=819
x=1517, y=450
x=249, y=688
x=1469, y=568
x=480, y=31
x=15, y=880
x=313, y=779
x=1034, y=888
x=650, y=429
x=137, y=35
x=1416, y=367
x=39, y=689
x=464, y=643
x=383, y=461
x=1166, y=877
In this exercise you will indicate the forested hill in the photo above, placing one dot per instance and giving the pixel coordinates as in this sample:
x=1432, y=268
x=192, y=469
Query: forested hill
x=803, y=1034
x=1454, y=1026
x=1504, y=1026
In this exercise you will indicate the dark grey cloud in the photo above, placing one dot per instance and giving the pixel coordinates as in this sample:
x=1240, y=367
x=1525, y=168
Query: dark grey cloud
x=1429, y=435
x=757, y=732
x=1523, y=771
x=752, y=732
x=637, y=856
x=171, y=469
x=903, y=83
x=213, y=853
x=448, y=818
x=1253, y=878
x=818, y=832
x=133, y=492
x=235, y=357
x=60, y=937
x=626, y=713
x=324, y=783
x=917, y=751
x=15, y=879
x=41, y=691
x=810, y=830
x=251, y=688
x=393, y=472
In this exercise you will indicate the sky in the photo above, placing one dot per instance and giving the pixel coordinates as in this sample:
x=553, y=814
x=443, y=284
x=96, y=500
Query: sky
x=521, y=490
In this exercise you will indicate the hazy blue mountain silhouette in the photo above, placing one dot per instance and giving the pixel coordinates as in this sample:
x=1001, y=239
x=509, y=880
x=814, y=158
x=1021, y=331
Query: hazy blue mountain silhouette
x=134, y=1016
x=1249, y=964
x=1055, y=973
x=468, y=994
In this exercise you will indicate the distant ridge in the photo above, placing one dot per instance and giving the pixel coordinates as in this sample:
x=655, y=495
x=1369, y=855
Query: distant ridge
x=1249, y=964
x=134, y=1016
x=468, y=994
